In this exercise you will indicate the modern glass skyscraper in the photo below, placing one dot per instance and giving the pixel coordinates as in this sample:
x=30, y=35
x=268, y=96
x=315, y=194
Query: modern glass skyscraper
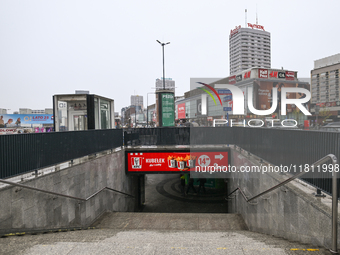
x=249, y=47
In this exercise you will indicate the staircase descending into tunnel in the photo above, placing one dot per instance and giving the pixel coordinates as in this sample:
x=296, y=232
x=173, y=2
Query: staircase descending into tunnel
x=158, y=233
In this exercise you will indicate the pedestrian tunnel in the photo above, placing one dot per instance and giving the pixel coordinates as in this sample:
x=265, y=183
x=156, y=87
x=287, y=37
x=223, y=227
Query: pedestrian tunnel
x=180, y=179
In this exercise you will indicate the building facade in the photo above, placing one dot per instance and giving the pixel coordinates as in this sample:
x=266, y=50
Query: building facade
x=137, y=101
x=325, y=88
x=260, y=80
x=325, y=80
x=249, y=47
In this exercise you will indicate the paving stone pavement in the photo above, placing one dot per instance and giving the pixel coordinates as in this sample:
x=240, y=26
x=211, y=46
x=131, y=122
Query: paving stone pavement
x=113, y=241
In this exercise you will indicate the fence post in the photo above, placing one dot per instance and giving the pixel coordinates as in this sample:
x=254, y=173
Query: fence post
x=334, y=211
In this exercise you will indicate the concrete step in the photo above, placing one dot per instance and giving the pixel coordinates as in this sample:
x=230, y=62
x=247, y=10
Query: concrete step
x=158, y=233
x=171, y=221
x=113, y=241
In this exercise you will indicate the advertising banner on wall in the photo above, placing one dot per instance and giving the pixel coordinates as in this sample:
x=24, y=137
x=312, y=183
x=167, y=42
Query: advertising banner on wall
x=181, y=111
x=174, y=161
x=168, y=109
x=16, y=120
x=263, y=94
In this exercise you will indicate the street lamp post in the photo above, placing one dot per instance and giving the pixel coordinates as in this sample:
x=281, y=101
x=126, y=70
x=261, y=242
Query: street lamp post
x=163, y=44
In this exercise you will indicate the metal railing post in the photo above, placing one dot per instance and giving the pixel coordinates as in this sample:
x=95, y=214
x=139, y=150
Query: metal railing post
x=334, y=249
x=334, y=234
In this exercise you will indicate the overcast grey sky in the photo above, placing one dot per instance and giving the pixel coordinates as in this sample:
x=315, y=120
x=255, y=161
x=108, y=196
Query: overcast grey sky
x=109, y=47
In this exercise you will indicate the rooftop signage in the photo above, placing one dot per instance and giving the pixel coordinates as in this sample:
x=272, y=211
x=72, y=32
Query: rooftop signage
x=235, y=30
x=232, y=79
x=289, y=75
x=263, y=74
x=247, y=75
x=256, y=26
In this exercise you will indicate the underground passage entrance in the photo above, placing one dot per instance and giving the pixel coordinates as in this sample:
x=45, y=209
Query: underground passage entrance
x=176, y=179
x=164, y=194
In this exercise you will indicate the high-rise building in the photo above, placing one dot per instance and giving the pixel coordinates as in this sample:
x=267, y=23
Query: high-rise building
x=249, y=47
x=325, y=82
x=137, y=101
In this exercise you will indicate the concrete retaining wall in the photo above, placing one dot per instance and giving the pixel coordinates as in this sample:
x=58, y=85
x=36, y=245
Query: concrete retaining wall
x=23, y=209
x=291, y=211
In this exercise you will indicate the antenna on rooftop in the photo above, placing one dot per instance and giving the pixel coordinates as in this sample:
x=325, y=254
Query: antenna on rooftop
x=245, y=14
x=256, y=15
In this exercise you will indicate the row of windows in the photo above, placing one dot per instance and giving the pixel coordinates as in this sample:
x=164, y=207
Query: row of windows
x=249, y=46
x=243, y=38
x=249, y=49
x=250, y=36
x=245, y=50
x=247, y=56
x=251, y=55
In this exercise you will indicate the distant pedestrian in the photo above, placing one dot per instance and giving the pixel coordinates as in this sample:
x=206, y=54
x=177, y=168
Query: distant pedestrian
x=191, y=185
x=202, y=181
x=182, y=186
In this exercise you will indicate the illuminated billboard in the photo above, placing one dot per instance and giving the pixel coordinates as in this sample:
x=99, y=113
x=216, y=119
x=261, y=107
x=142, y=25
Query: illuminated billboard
x=183, y=161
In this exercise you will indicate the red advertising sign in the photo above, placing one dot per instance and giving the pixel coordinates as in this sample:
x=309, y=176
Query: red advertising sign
x=181, y=111
x=174, y=162
x=329, y=104
x=247, y=75
x=256, y=26
x=273, y=74
x=232, y=79
x=234, y=31
x=263, y=73
x=290, y=75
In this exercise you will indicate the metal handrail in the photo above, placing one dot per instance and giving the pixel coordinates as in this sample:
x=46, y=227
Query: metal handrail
x=63, y=195
x=334, y=195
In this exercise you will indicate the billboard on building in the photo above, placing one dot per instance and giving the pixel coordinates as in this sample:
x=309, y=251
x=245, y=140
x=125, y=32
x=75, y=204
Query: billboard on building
x=181, y=111
x=263, y=94
x=16, y=120
x=142, y=162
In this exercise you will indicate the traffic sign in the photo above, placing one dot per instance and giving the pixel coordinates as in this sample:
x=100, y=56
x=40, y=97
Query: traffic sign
x=226, y=109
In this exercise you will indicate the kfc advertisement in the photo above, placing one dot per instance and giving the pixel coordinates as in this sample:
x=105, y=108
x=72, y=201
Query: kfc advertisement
x=174, y=162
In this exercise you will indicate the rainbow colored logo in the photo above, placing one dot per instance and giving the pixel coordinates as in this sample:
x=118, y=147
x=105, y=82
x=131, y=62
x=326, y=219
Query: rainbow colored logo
x=209, y=93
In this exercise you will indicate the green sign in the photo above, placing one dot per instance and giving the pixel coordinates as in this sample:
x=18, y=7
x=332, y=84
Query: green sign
x=168, y=110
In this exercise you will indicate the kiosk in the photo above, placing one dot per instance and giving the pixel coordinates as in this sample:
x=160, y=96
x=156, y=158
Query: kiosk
x=74, y=112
